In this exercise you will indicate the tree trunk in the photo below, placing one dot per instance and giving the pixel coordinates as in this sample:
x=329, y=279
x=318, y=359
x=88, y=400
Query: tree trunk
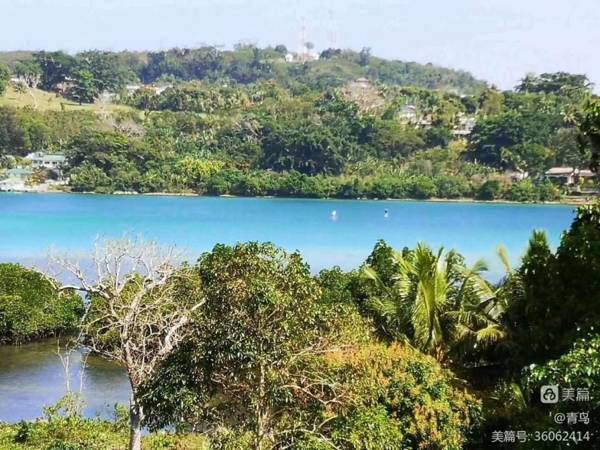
x=136, y=416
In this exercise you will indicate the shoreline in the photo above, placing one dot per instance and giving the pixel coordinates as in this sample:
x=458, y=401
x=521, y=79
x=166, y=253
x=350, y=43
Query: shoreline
x=572, y=201
x=567, y=201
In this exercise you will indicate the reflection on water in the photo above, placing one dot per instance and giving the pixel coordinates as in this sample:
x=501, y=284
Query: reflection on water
x=32, y=376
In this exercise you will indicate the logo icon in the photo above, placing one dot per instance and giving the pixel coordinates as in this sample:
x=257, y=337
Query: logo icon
x=549, y=394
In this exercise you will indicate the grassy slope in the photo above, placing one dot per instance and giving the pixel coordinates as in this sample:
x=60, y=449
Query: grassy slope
x=48, y=101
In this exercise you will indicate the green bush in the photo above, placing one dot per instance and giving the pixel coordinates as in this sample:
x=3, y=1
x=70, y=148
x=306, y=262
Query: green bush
x=579, y=368
x=31, y=308
x=399, y=398
x=523, y=191
x=93, y=434
x=422, y=187
x=490, y=190
x=449, y=186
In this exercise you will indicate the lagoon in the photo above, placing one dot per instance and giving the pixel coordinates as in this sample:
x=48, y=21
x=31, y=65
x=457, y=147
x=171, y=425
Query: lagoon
x=31, y=376
x=31, y=224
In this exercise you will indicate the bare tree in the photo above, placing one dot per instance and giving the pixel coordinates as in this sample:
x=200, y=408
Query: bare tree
x=135, y=311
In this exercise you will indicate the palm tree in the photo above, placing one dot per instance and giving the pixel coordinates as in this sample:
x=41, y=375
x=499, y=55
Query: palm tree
x=434, y=301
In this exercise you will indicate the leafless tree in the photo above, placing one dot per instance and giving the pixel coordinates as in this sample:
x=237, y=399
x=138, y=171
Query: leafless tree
x=135, y=312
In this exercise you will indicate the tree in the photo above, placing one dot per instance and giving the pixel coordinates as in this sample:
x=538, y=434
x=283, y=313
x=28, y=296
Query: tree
x=280, y=48
x=531, y=301
x=4, y=78
x=12, y=137
x=29, y=71
x=431, y=299
x=105, y=69
x=304, y=147
x=578, y=368
x=589, y=125
x=578, y=263
x=55, y=68
x=261, y=320
x=135, y=312
x=364, y=56
x=399, y=398
x=85, y=88
x=491, y=102
x=559, y=83
x=31, y=308
x=391, y=139
x=489, y=190
x=495, y=138
x=330, y=53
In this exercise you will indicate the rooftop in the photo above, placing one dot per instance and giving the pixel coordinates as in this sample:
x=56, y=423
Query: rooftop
x=560, y=171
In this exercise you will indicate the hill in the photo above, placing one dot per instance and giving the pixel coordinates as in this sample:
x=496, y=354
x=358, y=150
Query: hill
x=40, y=100
x=248, y=64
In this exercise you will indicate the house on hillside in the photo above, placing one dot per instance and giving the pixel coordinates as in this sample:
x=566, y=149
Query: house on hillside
x=465, y=126
x=516, y=175
x=407, y=114
x=51, y=161
x=569, y=176
x=561, y=175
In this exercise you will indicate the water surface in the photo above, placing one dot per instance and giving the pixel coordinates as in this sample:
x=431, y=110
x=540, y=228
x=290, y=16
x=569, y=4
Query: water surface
x=32, y=376
x=32, y=223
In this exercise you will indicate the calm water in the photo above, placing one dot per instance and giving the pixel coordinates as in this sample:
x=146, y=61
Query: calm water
x=32, y=376
x=30, y=224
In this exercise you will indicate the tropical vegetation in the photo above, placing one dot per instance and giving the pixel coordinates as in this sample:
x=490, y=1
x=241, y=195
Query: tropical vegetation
x=247, y=349
x=247, y=122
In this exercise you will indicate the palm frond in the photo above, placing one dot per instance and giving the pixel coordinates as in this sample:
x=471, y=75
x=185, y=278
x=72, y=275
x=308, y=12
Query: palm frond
x=504, y=259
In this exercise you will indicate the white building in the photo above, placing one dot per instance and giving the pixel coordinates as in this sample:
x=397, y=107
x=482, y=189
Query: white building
x=465, y=126
x=41, y=160
x=569, y=175
x=408, y=114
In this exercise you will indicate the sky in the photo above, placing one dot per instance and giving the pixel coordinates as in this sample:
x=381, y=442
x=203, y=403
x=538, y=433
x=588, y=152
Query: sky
x=497, y=40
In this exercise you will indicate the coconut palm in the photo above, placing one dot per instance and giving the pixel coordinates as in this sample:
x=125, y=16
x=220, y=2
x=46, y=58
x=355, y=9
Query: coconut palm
x=434, y=301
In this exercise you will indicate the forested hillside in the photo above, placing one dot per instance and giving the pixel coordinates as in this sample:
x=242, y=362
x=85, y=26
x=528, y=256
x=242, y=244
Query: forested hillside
x=266, y=122
x=245, y=64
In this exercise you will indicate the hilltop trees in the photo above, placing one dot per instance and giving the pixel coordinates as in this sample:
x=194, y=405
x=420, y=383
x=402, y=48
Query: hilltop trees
x=4, y=78
x=29, y=71
x=328, y=128
x=55, y=68
x=555, y=83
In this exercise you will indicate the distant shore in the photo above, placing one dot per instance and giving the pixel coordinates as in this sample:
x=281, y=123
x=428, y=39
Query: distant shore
x=570, y=200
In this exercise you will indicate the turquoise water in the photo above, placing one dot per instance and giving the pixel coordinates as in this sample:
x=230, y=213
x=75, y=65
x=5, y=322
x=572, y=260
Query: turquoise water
x=30, y=224
x=32, y=376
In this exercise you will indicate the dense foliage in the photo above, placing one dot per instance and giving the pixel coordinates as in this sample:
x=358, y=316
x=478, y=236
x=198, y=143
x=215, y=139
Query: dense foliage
x=414, y=349
x=276, y=356
x=349, y=125
x=30, y=307
x=94, y=71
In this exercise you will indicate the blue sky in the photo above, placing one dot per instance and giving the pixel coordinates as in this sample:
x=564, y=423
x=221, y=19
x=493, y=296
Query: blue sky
x=497, y=40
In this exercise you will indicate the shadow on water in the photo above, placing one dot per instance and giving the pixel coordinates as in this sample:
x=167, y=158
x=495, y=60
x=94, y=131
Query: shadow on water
x=32, y=376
